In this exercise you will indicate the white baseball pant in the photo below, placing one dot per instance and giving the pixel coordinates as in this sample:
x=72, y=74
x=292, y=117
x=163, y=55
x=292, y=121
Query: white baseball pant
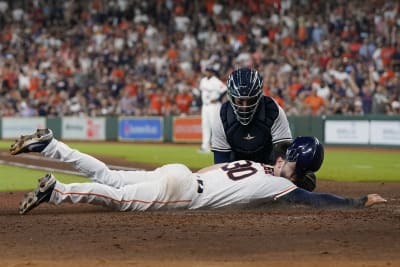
x=170, y=186
x=209, y=114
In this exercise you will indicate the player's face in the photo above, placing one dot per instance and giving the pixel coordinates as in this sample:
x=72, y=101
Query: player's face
x=208, y=73
x=288, y=170
x=244, y=104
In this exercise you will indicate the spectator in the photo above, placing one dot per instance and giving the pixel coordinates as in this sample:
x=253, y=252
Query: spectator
x=380, y=100
x=183, y=100
x=54, y=47
x=315, y=102
x=395, y=105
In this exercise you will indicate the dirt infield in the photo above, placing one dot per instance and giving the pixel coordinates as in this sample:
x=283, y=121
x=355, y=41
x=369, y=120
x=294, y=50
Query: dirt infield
x=84, y=235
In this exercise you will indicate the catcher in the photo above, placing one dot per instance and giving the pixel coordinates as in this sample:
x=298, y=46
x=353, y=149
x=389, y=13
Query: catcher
x=240, y=183
x=252, y=126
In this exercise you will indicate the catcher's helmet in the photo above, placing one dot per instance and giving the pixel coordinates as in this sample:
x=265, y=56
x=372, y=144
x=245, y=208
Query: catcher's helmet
x=244, y=93
x=307, y=152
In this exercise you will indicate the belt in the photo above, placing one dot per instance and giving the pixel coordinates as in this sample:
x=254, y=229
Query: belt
x=200, y=187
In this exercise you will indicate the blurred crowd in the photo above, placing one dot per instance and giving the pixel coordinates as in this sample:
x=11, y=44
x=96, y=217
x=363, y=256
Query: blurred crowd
x=121, y=57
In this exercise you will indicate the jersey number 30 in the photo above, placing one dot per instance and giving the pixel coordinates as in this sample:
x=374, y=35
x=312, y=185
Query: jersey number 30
x=239, y=169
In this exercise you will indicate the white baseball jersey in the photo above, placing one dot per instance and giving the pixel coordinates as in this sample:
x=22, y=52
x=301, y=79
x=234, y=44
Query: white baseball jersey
x=239, y=183
x=171, y=186
x=211, y=89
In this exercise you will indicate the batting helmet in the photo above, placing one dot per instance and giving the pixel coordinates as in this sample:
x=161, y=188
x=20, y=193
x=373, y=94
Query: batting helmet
x=307, y=152
x=244, y=93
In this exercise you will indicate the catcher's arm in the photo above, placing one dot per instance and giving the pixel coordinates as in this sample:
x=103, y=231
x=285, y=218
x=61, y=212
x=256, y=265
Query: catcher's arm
x=324, y=200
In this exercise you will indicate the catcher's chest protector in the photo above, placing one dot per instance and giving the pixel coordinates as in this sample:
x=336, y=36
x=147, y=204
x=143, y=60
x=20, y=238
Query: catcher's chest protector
x=253, y=141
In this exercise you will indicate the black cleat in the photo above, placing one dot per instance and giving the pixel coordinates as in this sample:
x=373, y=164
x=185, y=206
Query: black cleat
x=41, y=194
x=32, y=143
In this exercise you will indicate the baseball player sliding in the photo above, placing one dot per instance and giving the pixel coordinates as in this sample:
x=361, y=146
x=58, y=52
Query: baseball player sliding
x=174, y=186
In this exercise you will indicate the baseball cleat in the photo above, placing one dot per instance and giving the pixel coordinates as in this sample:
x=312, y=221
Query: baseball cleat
x=41, y=194
x=35, y=142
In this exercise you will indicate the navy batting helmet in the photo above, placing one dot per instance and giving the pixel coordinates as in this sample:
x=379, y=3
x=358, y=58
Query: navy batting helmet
x=307, y=152
x=244, y=93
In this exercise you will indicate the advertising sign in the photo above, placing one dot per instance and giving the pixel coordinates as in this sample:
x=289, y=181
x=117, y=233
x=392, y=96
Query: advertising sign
x=13, y=127
x=76, y=128
x=141, y=128
x=187, y=129
x=385, y=132
x=346, y=132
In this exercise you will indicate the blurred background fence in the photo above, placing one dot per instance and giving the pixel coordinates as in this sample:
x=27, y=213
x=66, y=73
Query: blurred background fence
x=372, y=130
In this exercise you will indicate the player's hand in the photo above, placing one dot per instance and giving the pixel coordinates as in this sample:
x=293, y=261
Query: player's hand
x=374, y=199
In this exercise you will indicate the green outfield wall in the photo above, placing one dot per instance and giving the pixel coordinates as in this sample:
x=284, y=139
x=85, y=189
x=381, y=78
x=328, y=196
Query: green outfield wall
x=372, y=130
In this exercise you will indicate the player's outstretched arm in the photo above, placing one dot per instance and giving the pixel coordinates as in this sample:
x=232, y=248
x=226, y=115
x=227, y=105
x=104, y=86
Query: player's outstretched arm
x=373, y=199
x=324, y=200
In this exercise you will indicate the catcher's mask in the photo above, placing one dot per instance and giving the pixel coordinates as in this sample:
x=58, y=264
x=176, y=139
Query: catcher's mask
x=244, y=93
